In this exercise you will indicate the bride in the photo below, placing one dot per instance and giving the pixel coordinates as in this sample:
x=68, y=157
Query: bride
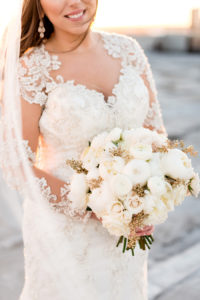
x=74, y=82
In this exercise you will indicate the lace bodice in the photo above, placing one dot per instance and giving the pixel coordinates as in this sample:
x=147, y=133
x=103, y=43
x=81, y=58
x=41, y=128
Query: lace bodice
x=73, y=114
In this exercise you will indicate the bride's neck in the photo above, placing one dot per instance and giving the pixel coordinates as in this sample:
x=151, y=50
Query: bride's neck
x=62, y=41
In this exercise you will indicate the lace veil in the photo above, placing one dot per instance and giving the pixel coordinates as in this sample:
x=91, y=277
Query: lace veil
x=14, y=163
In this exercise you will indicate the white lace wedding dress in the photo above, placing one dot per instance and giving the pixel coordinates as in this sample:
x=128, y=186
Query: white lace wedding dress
x=83, y=254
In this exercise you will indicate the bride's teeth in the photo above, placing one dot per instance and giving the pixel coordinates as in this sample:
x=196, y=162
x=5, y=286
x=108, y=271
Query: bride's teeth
x=76, y=16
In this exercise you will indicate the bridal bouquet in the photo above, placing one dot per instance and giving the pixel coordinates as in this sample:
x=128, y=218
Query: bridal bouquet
x=132, y=178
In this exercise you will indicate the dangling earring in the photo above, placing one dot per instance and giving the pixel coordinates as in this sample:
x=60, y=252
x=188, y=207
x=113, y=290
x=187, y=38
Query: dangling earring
x=41, y=29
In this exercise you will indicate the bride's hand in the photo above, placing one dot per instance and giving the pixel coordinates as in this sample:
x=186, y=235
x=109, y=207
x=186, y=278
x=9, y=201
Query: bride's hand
x=146, y=230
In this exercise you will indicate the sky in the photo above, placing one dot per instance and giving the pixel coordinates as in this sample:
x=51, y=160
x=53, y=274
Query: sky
x=142, y=13
x=137, y=13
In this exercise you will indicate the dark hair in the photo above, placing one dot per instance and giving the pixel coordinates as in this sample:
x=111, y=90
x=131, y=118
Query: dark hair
x=31, y=15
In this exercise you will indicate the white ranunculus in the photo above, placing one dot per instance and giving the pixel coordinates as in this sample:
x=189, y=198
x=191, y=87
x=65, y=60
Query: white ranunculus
x=115, y=226
x=179, y=193
x=101, y=199
x=78, y=191
x=110, y=167
x=157, y=185
x=141, y=151
x=134, y=204
x=114, y=135
x=121, y=185
x=195, y=185
x=176, y=164
x=138, y=171
x=155, y=164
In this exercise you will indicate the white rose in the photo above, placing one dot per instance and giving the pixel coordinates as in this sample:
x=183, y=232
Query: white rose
x=115, y=226
x=134, y=204
x=114, y=134
x=101, y=199
x=121, y=185
x=117, y=209
x=78, y=191
x=138, y=171
x=195, y=185
x=176, y=164
x=111, y=167
x=157, y=185
x=179, y=193
x=141, y=151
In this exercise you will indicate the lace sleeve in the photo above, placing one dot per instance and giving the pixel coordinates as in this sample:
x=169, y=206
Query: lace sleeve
x=63, y=205
x=153, y=120
x=31, y=79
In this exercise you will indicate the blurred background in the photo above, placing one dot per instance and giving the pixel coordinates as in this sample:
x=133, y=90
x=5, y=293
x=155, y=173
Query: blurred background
x=169, y=32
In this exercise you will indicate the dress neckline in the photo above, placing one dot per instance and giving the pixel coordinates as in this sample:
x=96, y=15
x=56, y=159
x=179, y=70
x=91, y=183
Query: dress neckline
x=111, y=99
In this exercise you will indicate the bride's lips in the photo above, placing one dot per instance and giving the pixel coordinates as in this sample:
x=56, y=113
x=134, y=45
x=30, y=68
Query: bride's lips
x=74, y=13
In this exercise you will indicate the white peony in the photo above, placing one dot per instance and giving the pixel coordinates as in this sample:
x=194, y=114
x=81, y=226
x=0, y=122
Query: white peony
x=179, y=193
x=156, y=217
x=144, y=135
x=138, y=171
x=141, y=151
x=149, y=202
x=195, y=185
x=134, y=204
x=101, y=199
x=78, y=191
x=157, y=185
x=115, y=226
x=121, y=185
x=155, y=164
x=110, y=167
x=176, y=164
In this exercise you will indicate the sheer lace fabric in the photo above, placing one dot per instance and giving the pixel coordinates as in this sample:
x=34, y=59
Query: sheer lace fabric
x=72, y=115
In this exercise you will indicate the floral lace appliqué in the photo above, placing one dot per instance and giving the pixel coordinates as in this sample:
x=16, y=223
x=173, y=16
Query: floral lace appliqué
x=63, y=206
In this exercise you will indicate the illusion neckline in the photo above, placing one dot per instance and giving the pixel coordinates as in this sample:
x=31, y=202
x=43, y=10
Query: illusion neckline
x=111, y=99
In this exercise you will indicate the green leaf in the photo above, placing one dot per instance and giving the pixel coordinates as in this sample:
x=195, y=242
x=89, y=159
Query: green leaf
x=190, y=188
x=89, y=143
